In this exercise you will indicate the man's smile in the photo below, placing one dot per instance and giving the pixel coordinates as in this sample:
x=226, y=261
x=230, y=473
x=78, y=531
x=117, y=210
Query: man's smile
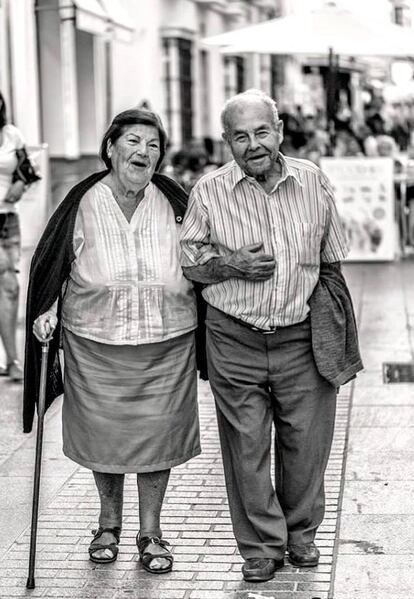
x=257, y=157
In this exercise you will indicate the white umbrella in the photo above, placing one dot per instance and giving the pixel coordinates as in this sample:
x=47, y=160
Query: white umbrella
x=327, y=29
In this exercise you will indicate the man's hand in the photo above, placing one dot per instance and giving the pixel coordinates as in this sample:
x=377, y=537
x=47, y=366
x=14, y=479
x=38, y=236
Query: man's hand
x=249, y=262
x=14, y=192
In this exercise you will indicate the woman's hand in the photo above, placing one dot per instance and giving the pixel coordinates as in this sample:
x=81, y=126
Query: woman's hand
x=15, y=192
x=44, y=325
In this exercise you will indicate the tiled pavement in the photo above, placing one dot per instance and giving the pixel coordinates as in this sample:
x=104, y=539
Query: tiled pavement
x=195, y=520
x=374, y=558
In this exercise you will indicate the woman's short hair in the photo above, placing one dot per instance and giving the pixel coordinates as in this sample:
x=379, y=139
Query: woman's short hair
x=3, y=112
x=134, y=116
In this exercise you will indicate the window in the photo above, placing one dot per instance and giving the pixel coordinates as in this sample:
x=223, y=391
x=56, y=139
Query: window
x=276, y=75
x=205, y=92
x=186, y=91
x=177, y=73
x=166, y=45
x=234, y=75
x=399, y=15
x=240, y=73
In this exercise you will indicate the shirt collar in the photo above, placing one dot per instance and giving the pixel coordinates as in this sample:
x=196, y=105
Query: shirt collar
x=238, y=174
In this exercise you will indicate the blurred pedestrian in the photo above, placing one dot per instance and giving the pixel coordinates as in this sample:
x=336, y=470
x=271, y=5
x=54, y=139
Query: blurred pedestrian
x=400, y=128
x=106, y=275
x=387, y=148
x=188, y=164
x=11, y=192
x=346, y=143
x=375, y=126
x=255, y=233
x=294, y=138
x=410, y=196
x=317, y=139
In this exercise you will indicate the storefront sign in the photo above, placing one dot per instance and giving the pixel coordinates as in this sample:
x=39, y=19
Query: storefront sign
x=364, y=193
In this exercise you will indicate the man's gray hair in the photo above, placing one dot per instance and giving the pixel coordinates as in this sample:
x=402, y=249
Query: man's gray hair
x=253, y=94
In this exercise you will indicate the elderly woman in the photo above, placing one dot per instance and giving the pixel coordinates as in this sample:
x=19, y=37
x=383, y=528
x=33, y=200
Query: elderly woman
x=106, y=278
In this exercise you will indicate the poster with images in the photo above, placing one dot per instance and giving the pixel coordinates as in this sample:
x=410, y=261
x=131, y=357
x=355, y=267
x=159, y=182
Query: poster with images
x=364, y=193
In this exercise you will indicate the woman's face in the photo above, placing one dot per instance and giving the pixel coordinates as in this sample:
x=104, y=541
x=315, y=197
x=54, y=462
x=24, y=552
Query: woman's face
x=135, y=154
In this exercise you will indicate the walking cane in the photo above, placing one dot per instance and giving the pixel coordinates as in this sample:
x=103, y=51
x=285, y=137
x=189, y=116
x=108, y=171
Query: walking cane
x=30, y=584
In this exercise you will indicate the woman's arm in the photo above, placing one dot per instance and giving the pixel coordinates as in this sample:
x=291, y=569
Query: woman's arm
x=15, y=192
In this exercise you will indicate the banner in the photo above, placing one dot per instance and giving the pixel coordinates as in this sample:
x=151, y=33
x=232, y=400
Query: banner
x=364, y=192
x=35, y=206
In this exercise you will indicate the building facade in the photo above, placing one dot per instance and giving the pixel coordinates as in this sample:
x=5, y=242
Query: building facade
x=67, y=66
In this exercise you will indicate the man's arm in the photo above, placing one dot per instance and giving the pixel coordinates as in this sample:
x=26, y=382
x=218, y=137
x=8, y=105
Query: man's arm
x=249, y=262
x=201, y=260
x=214, y=271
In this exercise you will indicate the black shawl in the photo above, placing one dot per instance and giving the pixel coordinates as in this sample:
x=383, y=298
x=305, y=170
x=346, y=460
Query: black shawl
x=50, y=267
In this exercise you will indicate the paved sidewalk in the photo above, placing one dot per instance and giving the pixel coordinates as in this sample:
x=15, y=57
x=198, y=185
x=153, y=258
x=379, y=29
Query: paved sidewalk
x=195, y=520
x=195, y=516
x=375, y=551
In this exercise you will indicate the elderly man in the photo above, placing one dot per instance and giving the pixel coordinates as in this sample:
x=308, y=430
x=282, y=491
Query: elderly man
x=255, y=233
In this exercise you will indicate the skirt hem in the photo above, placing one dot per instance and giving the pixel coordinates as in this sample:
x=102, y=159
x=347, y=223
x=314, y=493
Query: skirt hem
x=115, y=469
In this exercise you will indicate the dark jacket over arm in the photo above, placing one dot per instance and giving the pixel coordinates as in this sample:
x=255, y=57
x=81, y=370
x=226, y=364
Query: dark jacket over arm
x=334, y=330
x=50, y=268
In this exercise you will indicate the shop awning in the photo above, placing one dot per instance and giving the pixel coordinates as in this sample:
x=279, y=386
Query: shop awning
x=100, y=17
x=317, y=32
x=119, y=21
x=90, y=16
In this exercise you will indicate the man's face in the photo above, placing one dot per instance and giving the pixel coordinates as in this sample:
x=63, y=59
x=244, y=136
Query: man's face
x=254, y=138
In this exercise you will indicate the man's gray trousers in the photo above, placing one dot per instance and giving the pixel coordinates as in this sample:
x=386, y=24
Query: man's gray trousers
x=258, y=380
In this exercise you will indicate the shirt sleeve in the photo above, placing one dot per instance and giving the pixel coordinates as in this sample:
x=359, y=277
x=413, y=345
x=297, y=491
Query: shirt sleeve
x=335, y=246
x=195, y=230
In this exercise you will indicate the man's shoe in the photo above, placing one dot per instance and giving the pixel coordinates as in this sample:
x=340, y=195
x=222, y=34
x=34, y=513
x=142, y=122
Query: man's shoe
x=304, y=556
x=260, y=569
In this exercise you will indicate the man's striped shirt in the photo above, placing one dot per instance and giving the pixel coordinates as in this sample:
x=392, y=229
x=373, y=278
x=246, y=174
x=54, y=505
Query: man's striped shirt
x=297, y=223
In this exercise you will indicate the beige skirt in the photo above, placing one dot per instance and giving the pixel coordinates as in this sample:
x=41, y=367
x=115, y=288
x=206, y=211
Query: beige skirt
x=130, y=408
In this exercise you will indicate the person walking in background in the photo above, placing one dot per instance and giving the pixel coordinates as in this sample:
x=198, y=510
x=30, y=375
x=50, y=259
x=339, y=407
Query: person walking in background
x=11, y=191
x=106, y=274
x=347, y=143
x=257, y=233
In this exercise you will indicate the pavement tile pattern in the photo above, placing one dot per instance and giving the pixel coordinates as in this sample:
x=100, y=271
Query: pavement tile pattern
x=195, y=520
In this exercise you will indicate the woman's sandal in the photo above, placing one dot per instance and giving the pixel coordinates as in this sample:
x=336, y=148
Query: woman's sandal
x=144, y=548
x=113, y=547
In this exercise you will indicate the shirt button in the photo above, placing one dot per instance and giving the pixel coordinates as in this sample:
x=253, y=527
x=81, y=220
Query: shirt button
x=178, y=219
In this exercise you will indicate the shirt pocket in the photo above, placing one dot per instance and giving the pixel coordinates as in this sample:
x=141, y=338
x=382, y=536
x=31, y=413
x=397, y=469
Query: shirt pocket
x=306, y=243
